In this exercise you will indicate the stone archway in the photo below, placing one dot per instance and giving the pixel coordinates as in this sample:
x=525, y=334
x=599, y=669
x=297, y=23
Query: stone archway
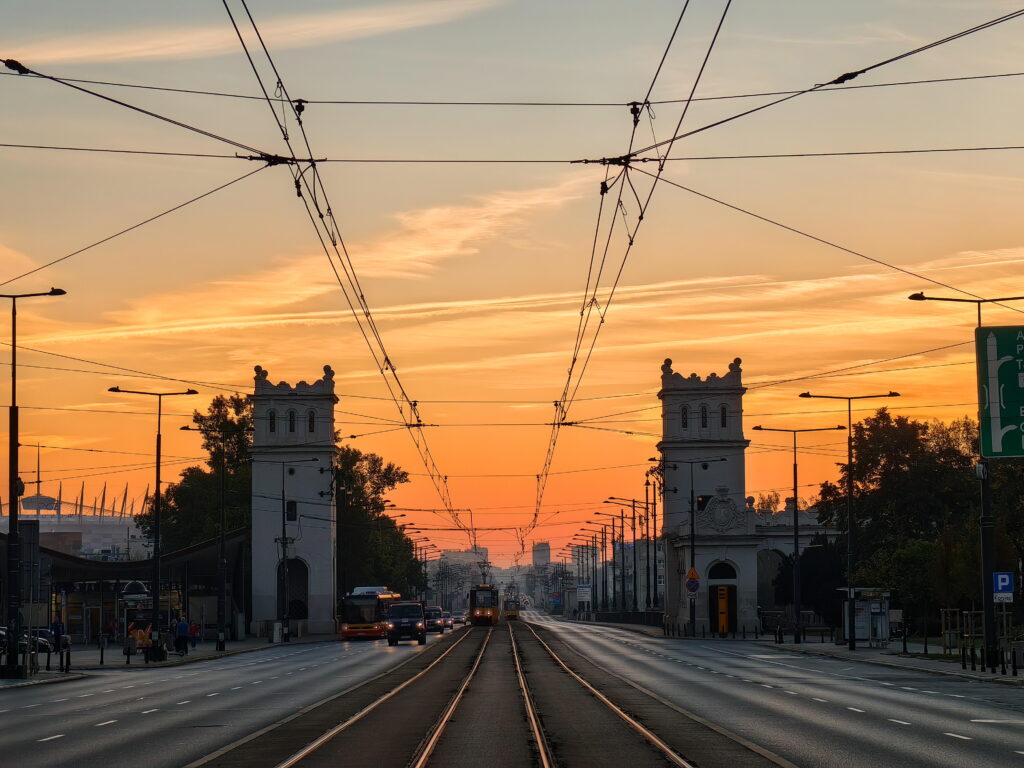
x=722, y=597
x=298, y=589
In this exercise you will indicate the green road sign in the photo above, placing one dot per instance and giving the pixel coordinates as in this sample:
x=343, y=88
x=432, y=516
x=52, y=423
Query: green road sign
x=999, y=352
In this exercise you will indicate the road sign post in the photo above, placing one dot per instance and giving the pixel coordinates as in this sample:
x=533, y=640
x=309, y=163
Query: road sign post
x=692, y=588
x=999, y=352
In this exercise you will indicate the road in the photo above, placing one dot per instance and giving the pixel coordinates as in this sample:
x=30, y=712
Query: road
x=816, y=711
x=171, y=716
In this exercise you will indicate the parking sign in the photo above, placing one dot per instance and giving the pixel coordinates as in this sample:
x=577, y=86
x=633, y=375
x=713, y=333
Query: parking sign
x=1002, y=586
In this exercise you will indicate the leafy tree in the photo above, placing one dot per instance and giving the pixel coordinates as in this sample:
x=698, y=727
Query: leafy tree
x=821, y=575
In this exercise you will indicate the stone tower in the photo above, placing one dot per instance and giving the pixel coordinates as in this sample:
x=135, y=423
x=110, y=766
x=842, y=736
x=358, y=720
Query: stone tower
x=292, y=504
x=702, y=439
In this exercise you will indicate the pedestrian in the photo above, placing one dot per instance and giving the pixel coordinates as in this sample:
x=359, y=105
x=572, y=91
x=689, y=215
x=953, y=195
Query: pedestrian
x=57, y=633
x=193, y=633
x=181, y=637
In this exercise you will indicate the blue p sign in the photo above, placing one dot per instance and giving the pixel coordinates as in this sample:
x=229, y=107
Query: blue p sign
x=1002, y=582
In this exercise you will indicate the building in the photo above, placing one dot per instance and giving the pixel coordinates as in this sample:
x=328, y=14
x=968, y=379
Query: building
x=541, y=553
x=293, y=514
x=709, y=526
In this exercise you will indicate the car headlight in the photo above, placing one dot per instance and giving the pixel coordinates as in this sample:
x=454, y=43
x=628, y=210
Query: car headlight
x=419, y=624
x=344, y=627
x=390, y=625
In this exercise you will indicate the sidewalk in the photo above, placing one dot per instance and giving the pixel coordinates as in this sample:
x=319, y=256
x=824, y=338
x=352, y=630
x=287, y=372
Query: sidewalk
x=88, y=658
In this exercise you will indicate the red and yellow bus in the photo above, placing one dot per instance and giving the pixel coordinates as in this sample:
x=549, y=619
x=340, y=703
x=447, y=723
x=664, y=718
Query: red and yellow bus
x=364, y=612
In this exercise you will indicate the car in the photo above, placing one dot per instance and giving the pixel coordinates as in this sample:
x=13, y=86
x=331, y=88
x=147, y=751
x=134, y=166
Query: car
x=449, y=622
x=460, y=617
x=406, y=621
x=434, y=619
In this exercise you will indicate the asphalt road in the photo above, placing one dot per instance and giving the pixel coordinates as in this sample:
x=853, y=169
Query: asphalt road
x=171, y=716
x=817, y=711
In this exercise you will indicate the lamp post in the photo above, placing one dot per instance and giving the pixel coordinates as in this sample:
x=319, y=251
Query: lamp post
x=636, y=567
x=285, y=596
x=659, y=483
x=987, y=521
x=796, y=521
x=15, y=488
x=622, y=554
x=603, y=560
x=648, y=506
x=693, y=525
x=155, y=627
x=222, y=559
x=851, y=609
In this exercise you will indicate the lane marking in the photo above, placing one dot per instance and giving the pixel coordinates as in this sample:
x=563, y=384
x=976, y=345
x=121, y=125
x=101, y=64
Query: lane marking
x=901, y=722
x=186, y=701
x=236, y=688
x=792, y=693
x=854, y=709
x=108, y=722
x=907, y=688
x=956, y=695
x=815, y=698
x=212, y=694
x=958, y=736
x=1007, y=722
x=936, y=693
x=51, y=738
x=29, y=706
x=84, y=695
x=109, y=690
x=765, y=685
x=147, y=711
x=56, y=701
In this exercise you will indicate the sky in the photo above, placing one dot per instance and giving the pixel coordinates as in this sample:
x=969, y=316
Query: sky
x=476, y=272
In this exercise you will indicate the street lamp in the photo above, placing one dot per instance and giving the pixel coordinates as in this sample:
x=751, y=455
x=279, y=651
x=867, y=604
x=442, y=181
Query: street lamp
x=285, y=591
x=693, y=526
x=14, y=490
x=622, y=554
x=987, y=521
x=851, y=609
x=155, y=653
x=796, y=520
x=603, y=558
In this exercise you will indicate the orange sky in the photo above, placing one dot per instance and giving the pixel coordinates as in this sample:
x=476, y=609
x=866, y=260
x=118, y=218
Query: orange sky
x=476, y=272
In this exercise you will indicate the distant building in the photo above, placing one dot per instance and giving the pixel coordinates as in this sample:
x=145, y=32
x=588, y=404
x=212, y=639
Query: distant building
x=541, y=554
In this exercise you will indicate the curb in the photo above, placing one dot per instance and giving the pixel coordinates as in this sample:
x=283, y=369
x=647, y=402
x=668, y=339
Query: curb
x=895, y=665
x=186, y=660
x=47, y=681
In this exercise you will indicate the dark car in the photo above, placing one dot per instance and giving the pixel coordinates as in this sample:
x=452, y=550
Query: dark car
x=448, y=620
x=434, y=618
x=460, y=617
x=406, y=621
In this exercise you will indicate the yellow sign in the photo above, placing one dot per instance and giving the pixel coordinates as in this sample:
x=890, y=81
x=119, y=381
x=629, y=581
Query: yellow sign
x=692, y=574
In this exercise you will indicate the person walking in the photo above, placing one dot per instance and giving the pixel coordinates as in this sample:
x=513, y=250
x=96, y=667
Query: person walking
x=181, y=637
x=193, y=633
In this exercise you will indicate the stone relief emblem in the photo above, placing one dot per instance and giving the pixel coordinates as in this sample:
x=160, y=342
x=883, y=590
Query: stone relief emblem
x=721, y=512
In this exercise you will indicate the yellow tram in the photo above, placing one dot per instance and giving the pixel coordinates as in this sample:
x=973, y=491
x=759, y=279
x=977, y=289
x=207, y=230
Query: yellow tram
x=484, y=607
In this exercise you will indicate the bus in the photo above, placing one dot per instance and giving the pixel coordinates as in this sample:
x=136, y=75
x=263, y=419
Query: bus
x=364, y=612
x=484, y=605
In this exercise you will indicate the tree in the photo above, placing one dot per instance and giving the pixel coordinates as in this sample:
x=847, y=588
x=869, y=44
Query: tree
x=821, y=575
x=372, y=549
x=190, y=508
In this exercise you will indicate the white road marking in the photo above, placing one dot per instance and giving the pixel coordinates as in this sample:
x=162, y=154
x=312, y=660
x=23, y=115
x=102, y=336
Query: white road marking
x=901, y=722
x=107, y=722
x=933, y=692
x=186, y=701
x=765, y=685
x=147, y=711
x=958, y=736
x=255, y=682
x=29, y=706
x=1006, y=722
x=212, y=694
x=56, y=701
x=82, y=696
x=815, y=698
x=854, y=709
x=884, y=683
x=792, y=693
x=109, y=690
x=51, y=738
x=956, y=695
x=236, y=688
x=907, y=688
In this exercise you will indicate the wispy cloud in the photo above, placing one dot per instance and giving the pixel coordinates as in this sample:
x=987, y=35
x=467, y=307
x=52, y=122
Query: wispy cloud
x=284, y=32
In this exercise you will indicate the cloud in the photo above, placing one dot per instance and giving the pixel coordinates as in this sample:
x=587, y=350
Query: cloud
x=281, y=33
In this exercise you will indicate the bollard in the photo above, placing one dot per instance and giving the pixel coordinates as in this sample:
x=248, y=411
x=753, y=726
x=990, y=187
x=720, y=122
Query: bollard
x=49, y=650
x=1013, y=662
x=755, y=630
x=103, y=648
x=1002, y=662
x=983, y=665
x=702, y=628
x=963, y=657
x=904, y=640
x=974, y=659
x=926, y=640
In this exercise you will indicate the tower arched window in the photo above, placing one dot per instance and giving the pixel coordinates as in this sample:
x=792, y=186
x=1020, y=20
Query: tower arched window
x=291, y=421
x=703, y=417
x=684, y=418
x=311, y=421
x=723, y=415
x=272, y=421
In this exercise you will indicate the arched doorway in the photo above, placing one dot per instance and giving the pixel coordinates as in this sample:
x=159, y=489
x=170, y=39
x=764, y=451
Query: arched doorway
x=298, y=589
x=722, y=608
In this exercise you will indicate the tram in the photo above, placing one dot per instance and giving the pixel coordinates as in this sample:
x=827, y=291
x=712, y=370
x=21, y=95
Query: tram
x=511, y=608
x=484, y=605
